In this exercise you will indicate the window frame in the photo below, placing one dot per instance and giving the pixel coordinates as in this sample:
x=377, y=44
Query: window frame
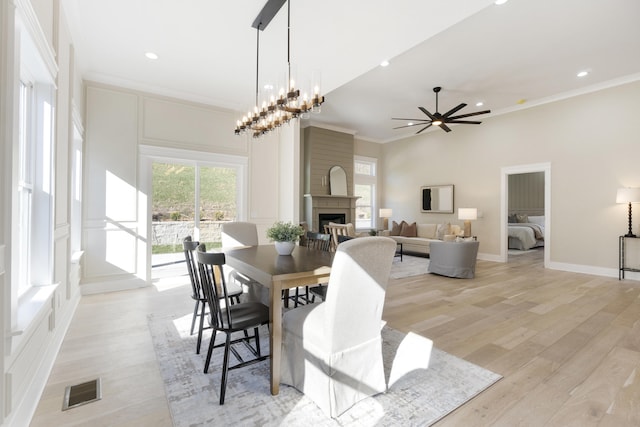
x=150, y=154
x=32, y=218
x=370, y=180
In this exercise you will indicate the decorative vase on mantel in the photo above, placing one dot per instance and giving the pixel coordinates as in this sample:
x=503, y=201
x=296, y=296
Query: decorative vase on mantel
x=285, y=248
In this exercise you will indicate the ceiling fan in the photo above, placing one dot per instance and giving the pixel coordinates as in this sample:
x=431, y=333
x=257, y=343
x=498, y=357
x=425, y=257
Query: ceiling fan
x=441, y=120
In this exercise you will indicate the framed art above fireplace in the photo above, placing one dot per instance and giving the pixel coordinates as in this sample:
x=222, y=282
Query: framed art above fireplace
x=437, y=198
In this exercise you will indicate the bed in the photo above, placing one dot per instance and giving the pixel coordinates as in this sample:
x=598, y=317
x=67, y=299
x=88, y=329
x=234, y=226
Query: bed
x=525, y=231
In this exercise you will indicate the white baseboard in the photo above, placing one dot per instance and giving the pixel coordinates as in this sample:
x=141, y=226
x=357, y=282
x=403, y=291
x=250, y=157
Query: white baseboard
x=594, y=271
x=111, y=285
x=24, y=410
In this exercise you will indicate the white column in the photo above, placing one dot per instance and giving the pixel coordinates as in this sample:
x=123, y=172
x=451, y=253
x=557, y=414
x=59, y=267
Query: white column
x=289, y=173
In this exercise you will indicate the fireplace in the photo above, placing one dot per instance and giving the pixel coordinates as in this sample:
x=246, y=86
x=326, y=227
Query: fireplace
x=326, y=218
x=325, y=208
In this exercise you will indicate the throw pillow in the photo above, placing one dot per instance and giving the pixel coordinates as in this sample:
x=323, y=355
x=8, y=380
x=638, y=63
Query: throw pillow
x=522, y=218
x=512, y=218
x=409, y=230
x=395, y=229
x=442, y=230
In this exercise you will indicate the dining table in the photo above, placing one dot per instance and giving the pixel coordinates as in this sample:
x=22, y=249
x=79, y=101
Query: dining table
x=305, y=266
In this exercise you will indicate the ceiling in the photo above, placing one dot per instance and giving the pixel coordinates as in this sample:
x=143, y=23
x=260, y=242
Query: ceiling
x=513, y=56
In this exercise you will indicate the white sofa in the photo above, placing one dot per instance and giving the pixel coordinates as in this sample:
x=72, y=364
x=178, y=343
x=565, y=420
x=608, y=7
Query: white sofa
x=425, y=234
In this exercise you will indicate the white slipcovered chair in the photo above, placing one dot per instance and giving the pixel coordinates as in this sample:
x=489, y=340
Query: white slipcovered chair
x=237, y=234
x=332, y=351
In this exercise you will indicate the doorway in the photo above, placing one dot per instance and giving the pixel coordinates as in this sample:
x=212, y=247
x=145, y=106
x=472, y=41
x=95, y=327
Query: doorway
x=507, y=172
x=189, y=193
x=190, y=200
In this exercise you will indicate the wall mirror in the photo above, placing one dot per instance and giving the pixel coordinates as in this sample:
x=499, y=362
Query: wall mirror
x=338, y=181
x=437, y=198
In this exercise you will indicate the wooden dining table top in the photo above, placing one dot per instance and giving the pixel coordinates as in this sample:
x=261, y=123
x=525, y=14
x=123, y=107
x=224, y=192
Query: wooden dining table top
x=263, y=264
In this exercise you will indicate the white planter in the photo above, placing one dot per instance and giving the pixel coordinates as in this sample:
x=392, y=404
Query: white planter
x=285, y=248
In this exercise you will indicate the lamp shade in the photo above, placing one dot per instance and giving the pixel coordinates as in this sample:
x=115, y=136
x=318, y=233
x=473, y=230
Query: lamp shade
x=386, y=213
x=467, y=213
x=628, y=195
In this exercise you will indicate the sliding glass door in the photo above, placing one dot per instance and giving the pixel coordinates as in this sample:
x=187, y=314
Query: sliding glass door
x=191, y=199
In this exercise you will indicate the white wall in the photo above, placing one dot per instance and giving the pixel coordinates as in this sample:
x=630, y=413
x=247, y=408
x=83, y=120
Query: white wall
x=118, y=122
x=29, y=349
x=591, y=143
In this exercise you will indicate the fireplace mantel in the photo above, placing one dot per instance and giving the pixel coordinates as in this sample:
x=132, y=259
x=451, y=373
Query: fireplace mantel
x=316, y=204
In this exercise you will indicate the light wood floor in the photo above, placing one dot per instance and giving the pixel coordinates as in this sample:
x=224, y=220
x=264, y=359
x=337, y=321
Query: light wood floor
x=568, y=346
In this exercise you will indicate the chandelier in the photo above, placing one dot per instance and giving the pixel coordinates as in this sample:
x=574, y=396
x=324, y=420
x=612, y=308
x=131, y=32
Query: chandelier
x=275, y=111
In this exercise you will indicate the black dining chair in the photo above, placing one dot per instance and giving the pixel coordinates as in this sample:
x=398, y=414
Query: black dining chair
x=229, y=318
x=189, y=246
x=319, y=242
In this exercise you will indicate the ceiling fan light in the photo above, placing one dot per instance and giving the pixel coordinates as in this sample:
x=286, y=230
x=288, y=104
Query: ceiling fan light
x=436, y=122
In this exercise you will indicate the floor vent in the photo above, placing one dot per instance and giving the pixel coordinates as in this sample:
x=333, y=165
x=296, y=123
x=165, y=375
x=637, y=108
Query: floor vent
x=81, y=394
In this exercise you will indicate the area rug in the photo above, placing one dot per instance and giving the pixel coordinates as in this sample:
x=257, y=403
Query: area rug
x=418, y=399
x=409, y=266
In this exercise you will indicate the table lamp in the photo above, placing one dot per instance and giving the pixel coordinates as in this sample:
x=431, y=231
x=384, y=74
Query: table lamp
x=467, y=214
x=628, y=195
x=385, y=214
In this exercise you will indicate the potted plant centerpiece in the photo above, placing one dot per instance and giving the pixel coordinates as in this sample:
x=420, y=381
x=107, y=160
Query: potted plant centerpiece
x=285, y=235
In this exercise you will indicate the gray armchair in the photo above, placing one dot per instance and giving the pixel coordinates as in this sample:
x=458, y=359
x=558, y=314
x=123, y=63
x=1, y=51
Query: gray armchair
x=453, y=259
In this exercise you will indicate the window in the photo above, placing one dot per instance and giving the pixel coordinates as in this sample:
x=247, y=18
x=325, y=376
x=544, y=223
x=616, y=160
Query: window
x=365, y=188
x=192, y=193
x=25, y=184
x=194, y=198
x=32, y=220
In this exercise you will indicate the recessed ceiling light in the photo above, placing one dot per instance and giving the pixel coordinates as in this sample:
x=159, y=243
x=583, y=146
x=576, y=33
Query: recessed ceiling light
x=521, y=101
x=384, y=63
x=582, y=73
x=479, y=104
x=151, y=55
x=499, y=2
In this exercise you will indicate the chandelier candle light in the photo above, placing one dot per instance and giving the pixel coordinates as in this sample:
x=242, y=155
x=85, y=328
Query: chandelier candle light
x=274, y=112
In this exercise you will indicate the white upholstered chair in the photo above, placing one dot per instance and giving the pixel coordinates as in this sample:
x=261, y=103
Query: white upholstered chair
x=332, y=351
x=237, y=234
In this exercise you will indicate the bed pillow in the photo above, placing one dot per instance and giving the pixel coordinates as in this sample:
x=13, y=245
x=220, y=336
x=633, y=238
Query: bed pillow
x=522, y=218
x=512, y=218
x=537, y=219
x=409, y=230
x=395, y=228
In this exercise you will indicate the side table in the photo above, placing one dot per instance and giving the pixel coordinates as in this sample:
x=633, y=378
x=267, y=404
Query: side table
x=622, y=265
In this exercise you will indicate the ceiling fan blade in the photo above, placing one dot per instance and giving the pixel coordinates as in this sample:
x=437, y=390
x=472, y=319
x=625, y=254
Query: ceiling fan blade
x=424, y=110
x=468, y=122
x=453, y=110
x=413, y=120
x=427, y=126
x=411, y=125
x=462, y=116
x=445, y=128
